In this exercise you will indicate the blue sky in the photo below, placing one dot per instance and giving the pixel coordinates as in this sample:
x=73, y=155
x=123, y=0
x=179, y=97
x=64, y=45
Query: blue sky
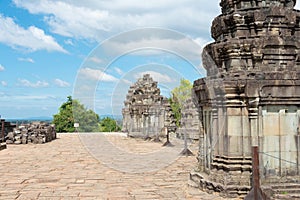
x=95, y=49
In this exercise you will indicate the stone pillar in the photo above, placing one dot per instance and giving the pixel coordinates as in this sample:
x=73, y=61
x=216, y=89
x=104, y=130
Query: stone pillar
x=220, y=115
x=235, y=122
x=144, y=120
x=201, y=151
x=215, y=133
x=253, y=118
x=298, y=143
x=147, y=120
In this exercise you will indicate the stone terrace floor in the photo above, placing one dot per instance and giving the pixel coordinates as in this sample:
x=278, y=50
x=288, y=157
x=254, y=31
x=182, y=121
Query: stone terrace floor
x=77, y=166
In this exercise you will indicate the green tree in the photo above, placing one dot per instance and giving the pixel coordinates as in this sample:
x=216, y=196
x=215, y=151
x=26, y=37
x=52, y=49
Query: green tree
x=108, y=124
x=176, y=110
x=72, y=112
x=178, y=97
x=64, y=120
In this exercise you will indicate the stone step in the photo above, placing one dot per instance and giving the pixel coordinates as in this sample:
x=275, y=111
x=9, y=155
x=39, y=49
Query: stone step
x=232, y=167
x=233, y=157
x=286, y=186
x=286, y=196
x=285, y=191
x=197, y=178
x=232, y=161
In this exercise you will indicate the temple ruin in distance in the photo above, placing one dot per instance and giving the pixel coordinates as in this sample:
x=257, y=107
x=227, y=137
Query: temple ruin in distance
x=146, y=112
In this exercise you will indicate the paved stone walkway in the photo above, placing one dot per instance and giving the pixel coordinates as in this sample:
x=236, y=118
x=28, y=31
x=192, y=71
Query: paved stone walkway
x=95, y=166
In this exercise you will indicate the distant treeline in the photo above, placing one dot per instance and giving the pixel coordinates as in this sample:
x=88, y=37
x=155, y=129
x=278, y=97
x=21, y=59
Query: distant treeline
x=27, y=121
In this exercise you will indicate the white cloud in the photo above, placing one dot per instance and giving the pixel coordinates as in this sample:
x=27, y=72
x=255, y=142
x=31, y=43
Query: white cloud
x=28, y=97
x=95, y=60
x=154, y=41
x=159, y=77
x=201, y=42
x=127, y=82
x=96, y=74
x=32, y=38
x=68, y=19
x=2, y=68
x=69, y=42
x=118, y=70
x=27, y=83
x=61, y=83
x=97, y=20
x=26, y=60
x=3, y=83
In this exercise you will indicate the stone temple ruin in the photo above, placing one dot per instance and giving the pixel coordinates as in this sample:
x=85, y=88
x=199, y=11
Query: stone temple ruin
x=189, y=123
x=251, y=96
x=146, y=112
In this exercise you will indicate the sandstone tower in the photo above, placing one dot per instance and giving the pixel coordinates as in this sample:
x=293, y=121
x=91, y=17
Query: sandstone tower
x=146, y=112
x=251, y=96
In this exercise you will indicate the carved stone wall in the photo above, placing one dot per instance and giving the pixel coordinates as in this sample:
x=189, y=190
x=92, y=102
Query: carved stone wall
x=146, y=112
x=251, y=96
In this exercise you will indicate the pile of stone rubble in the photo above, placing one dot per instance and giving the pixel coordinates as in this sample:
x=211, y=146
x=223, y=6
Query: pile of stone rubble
x=36, y=132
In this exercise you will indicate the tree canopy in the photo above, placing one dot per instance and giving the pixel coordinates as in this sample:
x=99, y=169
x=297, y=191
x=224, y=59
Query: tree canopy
x=72, y=111
x=178, y=97
x=108, y=124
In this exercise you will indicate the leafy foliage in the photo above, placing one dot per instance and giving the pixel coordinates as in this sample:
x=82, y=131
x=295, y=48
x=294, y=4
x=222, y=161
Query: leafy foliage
x=176, y=110
x=179, y=95
x=64, y=120
x=72, y=111
x=108, y=124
